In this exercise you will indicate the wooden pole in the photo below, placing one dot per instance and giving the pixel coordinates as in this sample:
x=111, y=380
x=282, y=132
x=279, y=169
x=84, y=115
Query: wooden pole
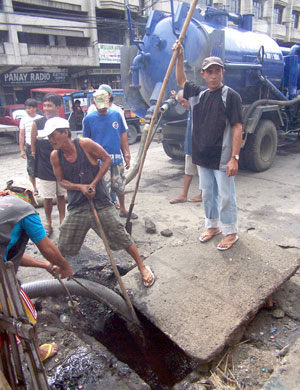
x=157, y=106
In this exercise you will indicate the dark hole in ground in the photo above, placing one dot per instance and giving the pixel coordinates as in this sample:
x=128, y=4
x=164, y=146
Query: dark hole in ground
x=161, y=364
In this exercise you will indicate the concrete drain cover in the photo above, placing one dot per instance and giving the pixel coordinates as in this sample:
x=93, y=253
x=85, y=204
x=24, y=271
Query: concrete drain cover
x=202, y=296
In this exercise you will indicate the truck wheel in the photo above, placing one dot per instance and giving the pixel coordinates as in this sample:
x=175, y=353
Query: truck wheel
x=173, y=150
x=261, y=147
x=132, y=134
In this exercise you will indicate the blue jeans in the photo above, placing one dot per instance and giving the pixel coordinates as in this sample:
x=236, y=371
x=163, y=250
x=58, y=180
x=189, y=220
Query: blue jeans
x=216, y=184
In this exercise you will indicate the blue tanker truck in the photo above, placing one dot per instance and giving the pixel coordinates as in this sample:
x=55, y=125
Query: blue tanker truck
x=266, y=75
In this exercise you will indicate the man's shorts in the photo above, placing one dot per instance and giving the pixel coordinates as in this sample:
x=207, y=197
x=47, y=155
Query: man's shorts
x=80, y=220
x=51, y=189
x=190, y=168
x=30, y=161
x=115, y=179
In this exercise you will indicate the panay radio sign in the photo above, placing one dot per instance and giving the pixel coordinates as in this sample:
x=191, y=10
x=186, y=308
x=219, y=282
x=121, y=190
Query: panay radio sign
x=34, y=78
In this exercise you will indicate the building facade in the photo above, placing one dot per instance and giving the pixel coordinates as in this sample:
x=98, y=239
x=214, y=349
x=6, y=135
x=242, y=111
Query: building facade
x=76, y=43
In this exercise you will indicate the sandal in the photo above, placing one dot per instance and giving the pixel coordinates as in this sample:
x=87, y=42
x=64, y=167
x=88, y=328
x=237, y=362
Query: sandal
x=146, y=282
x=49, y=231
x=207, y=236
x=228, y=244
x=36, y=193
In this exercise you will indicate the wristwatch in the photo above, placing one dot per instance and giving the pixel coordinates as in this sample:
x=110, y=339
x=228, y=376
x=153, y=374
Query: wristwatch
x=236, y=157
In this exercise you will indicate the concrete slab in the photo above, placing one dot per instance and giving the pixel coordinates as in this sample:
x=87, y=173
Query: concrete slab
x=202, y=296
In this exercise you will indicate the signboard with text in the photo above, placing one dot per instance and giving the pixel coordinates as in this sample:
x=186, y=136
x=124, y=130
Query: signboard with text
x=34, y=78
x=109, y=53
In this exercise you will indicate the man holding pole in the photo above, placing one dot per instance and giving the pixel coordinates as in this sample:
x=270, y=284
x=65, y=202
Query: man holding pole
x=76, y=167
x=217, y=137
x=19, y=221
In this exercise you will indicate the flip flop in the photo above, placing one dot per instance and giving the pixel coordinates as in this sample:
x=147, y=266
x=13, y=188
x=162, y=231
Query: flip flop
x=207, y=236
x=174, y=201
x=193, y=200
x=125, y=215
x=229, y=243
x=50, y=347
x=147, y=284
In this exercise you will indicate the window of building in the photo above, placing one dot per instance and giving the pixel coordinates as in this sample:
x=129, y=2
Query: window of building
x=257, y=9
x=278, y=14
x=295, y=19
x=3, y=36
x=33, y=39
x=233, y=6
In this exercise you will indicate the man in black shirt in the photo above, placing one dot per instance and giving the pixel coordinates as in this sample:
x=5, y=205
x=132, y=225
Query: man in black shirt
x=41, y=150
x=217, y=137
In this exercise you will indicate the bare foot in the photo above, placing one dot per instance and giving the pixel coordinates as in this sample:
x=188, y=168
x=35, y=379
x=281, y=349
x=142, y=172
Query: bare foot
x=47, y=350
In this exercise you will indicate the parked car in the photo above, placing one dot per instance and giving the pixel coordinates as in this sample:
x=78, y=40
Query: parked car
x=10, y=116
x=86, y=99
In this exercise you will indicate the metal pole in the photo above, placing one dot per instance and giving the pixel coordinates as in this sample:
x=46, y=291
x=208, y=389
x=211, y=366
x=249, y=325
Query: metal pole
x=115, y=269
x=157, y=106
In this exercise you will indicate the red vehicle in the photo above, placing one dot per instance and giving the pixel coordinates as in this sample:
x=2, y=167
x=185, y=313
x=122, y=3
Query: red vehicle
x=39, y=93
x=12, y=114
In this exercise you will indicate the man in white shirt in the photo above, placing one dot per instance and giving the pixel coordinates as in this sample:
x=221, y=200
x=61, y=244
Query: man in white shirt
x=25, y=138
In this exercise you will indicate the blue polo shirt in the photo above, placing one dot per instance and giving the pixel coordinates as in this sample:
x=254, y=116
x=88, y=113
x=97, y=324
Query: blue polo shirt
x=106, y=130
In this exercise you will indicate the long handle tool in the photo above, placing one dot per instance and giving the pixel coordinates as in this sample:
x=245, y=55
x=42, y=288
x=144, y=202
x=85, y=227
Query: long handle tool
x=115, y=269
x=157, y=106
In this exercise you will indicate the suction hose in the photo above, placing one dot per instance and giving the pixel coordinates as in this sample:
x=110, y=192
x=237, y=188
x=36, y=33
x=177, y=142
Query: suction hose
x=52, y=287
x=263, y=102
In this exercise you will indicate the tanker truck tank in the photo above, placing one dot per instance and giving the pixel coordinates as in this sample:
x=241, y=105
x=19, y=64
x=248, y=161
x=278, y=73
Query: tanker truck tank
x=256, y=67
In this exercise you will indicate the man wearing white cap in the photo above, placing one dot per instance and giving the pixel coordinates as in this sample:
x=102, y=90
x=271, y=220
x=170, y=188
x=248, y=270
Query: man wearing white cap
x=105, y=126
x=76, y=166
x=19, y=221
x=216, y=142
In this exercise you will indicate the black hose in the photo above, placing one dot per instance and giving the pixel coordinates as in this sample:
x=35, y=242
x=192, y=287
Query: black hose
x=52, y=287
x=262, y=102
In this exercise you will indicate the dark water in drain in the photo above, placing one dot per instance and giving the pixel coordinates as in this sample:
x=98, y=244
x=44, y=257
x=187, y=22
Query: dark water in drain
x=161, y=364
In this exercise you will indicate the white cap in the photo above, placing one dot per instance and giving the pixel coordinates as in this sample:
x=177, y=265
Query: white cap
x=53, y=124
x=101, y=99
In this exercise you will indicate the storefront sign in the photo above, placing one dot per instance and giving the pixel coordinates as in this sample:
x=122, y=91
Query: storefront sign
x=109, y=54
x=34, y=78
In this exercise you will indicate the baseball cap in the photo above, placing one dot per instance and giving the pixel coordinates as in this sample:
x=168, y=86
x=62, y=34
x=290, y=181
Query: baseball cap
x=101, y=99
x=208, y=61
x=105, y=87
x=21, y=183
x=53, y=124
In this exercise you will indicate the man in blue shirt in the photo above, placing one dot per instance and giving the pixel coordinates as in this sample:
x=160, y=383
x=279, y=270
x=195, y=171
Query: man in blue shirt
x=19, y=221
x=106, y=127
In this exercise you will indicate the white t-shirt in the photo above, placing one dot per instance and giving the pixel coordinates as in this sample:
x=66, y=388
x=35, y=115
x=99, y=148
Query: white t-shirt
x=26, y=124
x=114, y=107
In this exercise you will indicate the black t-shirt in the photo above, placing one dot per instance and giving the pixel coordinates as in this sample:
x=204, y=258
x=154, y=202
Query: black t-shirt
x=42, y=167
x=214, y=113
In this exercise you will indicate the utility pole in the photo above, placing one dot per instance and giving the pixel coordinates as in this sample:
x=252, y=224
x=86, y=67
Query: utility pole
x=127, y=39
